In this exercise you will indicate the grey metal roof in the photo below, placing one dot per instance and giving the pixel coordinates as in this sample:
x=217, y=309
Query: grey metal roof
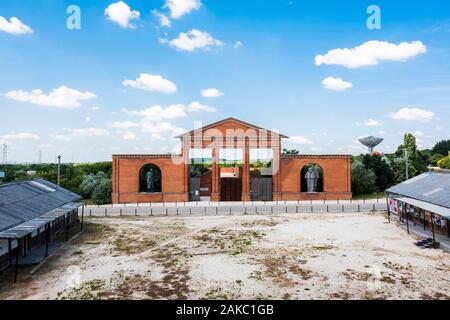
x=26, y=200
x=430, y=187
x=30, y=226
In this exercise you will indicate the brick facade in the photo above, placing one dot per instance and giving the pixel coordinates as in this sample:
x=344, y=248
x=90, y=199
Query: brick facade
x=229, y=133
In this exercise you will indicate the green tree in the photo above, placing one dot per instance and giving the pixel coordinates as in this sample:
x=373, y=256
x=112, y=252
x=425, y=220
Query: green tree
x=444, y=163
x=383, y=171
x=363, y=179
x=90, y=181
x=442, y=147
x=416, y=163
x=102, y=192
x=434, y=159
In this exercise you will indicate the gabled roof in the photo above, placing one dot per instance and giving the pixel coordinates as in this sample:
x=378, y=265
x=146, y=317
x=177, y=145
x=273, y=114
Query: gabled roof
x=25, y=200
x=231, y=119
x=429, y=187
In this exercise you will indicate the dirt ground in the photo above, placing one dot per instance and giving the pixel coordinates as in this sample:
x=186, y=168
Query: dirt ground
x=289, y=256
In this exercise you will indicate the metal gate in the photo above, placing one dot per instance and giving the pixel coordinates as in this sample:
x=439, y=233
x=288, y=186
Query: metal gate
x=194, y=189
x=261, y=188
x=230, y=189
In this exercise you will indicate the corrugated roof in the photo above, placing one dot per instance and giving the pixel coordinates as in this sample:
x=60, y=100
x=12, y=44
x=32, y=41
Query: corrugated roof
x=430, y=187
x=26, y=200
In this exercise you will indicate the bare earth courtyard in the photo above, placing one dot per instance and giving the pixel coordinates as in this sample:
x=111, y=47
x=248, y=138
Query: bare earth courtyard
x=289, y=256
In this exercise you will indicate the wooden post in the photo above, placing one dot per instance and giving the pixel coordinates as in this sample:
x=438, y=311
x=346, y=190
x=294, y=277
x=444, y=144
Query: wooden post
x=432, y=227
x=388, y=210
x=47, y=238
x=407, y=221
x=82, y=218
x=18, y=249
x=424, y=220
x=67, y=226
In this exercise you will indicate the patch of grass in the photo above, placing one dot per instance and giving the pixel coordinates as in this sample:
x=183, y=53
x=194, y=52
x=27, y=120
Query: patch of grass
x=341, y=295
x=388, y=279
x=132, y=245
x=217, y=293
x=306, y=274
x=323, y=247
x=259, y=223
x=86, y=291
x=351, y=274
x=234, y=242
x=396, y=266
x=77, y=253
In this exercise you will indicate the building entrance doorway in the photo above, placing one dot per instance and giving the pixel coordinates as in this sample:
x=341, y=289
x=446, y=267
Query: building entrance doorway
x=261, y=188
x=230, y=189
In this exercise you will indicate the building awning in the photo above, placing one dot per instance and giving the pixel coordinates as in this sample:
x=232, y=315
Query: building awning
x=31, y=226
x=442, y=211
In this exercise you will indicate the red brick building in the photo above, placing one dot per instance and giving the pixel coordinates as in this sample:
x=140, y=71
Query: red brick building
x=172, y=179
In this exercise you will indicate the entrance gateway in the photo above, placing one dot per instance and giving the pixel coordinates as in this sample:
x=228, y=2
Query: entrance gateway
x=182, y=177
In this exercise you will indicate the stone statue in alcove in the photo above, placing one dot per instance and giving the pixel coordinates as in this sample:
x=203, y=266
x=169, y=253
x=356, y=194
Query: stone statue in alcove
x=312, y=178
x=151, y=177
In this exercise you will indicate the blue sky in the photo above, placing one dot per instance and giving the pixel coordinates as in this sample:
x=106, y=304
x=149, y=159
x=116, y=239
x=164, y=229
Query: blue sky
x=261, y=55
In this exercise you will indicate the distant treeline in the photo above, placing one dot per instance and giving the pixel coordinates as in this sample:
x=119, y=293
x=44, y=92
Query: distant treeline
x=72, y=175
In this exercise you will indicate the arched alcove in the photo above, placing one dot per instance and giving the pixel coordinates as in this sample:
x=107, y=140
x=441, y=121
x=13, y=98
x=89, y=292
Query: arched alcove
x=313, y=171
x=150, y=179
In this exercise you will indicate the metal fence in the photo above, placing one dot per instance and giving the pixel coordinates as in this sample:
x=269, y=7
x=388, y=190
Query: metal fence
x=202, y=208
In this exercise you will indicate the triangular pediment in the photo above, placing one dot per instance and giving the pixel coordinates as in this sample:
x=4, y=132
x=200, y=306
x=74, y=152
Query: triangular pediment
x=229, y=124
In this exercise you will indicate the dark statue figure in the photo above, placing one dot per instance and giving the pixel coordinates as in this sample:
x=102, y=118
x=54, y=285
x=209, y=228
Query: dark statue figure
x=151, y=177
x=312, y=177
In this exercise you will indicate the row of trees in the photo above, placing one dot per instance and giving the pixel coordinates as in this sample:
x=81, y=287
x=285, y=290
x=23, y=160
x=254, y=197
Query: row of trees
x=377, y=172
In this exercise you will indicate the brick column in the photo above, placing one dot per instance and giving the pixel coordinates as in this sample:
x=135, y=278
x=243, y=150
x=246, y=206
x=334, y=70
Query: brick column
x=276, y=173
x=186, y=172
x=246, y=196
x=215, y=176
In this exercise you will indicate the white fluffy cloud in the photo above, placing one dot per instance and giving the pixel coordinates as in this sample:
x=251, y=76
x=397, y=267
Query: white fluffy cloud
x=122, y=14
x=14, y=26
x=150, y=82
x=300, y=140
x=87, y=132
x=193, y=40
x=211, y=93
x=62, y=97
x=238, y=44
x=129, y=136
x=413, y=114
x=371, y=53
x=123, y=125
x=158, y=113
x=179, y=8
x=336, y=84
x=20, y=136
x=372, y=123
x=155, y=119
x=163, y=20
x=197, y=106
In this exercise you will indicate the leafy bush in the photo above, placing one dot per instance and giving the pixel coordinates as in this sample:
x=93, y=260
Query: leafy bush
x=102, y=191
x=383, y=171
x=363, y=179
x=444, y=163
